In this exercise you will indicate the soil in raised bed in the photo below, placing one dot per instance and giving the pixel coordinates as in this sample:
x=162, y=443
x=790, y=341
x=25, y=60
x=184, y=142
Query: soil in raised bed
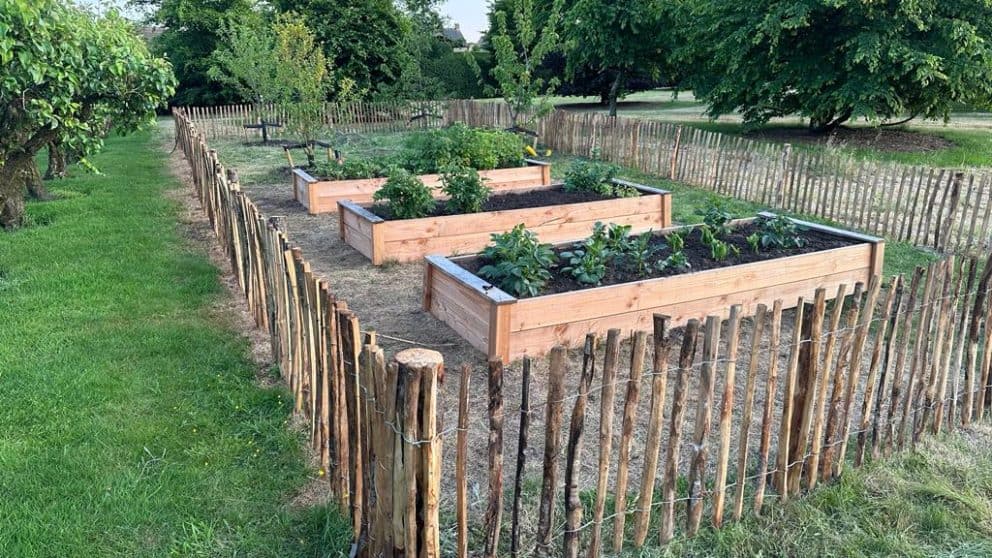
x=508, y=201
x=696, y=252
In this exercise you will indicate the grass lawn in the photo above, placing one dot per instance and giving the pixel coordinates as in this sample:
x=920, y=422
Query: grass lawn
x=968, y=128
x=133, y=422
x=934, y=502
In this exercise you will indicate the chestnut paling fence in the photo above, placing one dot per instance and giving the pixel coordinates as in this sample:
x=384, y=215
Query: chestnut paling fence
x=232, y=121
x=693, y=426
x=943, y=209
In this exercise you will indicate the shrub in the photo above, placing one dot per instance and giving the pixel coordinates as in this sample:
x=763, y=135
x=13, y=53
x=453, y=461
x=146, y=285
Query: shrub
x=518, y=263
x=407, y=196
x=458, y=144
x=352, y=168
x=465, y=188
x=591, y=176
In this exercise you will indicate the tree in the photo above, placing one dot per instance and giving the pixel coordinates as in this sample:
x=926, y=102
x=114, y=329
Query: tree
x=246, y=60
x=192, y=31
x=308, y=79
x=67, y=74
x=363, y=39
x=519, y=55
x=835, y=60
x=616, y=39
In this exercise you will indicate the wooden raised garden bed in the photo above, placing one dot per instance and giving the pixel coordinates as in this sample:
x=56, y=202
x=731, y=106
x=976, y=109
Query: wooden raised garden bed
x=322, y=196
x=509, y=328
x=409, y=240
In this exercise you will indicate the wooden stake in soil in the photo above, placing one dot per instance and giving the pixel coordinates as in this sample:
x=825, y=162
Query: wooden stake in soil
x=704, y=418
x=558, y=363
x=652, y=446
x=610, y=364
x=518, y=477
x=746, y=416
x=637, y=355
x=670, y=479
x=431, y=365
x=726, y=414
x=573, y=457
x=461, y=465
x=767, y=416
x=870, y=381
x=897, y=379
x=494, y=512
x=783, y=465
x=854, y=373
x=807, y=378
x=823, y=383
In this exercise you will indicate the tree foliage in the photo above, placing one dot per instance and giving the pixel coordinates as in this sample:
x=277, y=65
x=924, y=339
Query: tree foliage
x=68, y=78
x=518, y=56
x=835, y=60
x=192, y=31
x=617, y=39
x=246, y=60
x=364, y=39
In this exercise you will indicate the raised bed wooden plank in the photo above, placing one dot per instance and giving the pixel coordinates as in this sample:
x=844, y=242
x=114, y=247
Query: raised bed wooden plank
x=532, y=326
x=412, y=239
x=322, y=196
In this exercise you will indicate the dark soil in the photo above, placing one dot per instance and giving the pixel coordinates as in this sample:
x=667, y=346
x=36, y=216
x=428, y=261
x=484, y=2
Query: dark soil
x=882, y=139
x=504, y=202
x=696, y=252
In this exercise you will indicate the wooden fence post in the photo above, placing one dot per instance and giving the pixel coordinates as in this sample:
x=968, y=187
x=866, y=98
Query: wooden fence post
x=494, y=512
x=573, y=455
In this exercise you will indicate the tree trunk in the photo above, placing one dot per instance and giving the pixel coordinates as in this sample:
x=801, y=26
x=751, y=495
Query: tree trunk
x=14, y=177
x=311, y=150
x=57, y=162
x=31, y=178
x=615, y=92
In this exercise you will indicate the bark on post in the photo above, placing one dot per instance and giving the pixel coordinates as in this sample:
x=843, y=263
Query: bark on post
x=494, y=512
x=558, y=364
x=518, y=477
x=573, y=505
x=669, y=482
x=659, y=380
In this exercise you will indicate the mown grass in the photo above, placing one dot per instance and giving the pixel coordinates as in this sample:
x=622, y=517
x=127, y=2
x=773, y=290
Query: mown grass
x=132, y=420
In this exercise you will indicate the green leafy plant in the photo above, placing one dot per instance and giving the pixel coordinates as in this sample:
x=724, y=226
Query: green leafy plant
x=720, y=250
x=781, y=232
x=465, y=189
x=518, y=263
x=461, y=145
x=676, y=241
x=352, y=168
x=639, y=254
x=675, y=260
x=624, y=191
x=754, y=241
x=591, y=176
x=407, y=196
x=717, y=219
x=587, y=262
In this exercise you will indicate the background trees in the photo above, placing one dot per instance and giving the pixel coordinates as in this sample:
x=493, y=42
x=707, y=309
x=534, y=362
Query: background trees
x=832, y=61
x=69, y=77
x=615, y=40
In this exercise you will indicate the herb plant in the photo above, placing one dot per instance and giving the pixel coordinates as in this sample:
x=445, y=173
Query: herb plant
x=465, y=189
x=781, y=232
x=459, y=144
x=675, y=260
x=407, y=196
x=518, y=263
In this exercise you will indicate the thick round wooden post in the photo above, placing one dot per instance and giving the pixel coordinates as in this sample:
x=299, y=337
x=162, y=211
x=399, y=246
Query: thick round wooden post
x=421, y=370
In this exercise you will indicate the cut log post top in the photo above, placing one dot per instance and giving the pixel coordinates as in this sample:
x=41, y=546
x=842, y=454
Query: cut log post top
x=420, y=359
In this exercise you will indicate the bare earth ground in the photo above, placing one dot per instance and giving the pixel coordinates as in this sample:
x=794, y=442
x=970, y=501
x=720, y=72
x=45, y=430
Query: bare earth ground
x=388, y=299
